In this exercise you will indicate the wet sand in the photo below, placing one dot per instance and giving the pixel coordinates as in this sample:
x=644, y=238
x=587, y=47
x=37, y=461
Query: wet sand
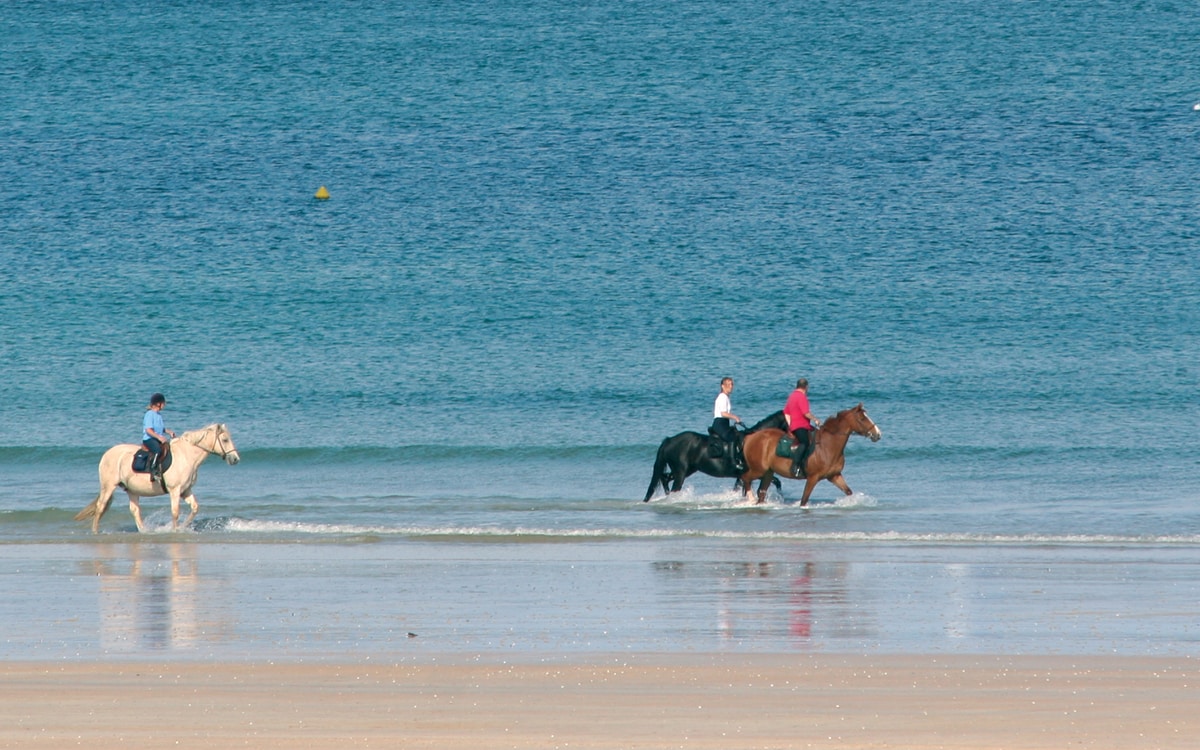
x=609, y=701
x=619, y=645
x=149, y=599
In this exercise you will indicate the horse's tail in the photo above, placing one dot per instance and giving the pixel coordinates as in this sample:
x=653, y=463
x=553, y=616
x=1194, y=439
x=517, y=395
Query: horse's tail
x=659, y=476
x=90, y=511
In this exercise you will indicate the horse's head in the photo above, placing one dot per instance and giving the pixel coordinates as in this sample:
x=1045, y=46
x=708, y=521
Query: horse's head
x=860, y=424
x=223, y=445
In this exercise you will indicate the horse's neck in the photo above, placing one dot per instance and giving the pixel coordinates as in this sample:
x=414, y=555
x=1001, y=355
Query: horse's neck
x=196, y=439
x=186, y=456
x=833, y=435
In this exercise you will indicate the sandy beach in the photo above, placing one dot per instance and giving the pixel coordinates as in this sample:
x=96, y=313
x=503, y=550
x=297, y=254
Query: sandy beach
x=609, y=701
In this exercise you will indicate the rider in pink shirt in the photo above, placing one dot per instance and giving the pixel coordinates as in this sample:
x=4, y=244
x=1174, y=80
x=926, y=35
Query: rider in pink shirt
x=801, y=423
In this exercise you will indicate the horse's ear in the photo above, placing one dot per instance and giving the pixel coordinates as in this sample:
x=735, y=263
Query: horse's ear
x=860, y=406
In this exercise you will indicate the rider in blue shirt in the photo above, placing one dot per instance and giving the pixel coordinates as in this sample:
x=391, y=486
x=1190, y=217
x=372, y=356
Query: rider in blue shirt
x=155, y=432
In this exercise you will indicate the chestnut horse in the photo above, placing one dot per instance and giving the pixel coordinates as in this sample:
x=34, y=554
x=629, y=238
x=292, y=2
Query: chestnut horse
x=826, y=461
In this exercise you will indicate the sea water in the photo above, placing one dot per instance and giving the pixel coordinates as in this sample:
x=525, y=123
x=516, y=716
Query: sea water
x=553, y=229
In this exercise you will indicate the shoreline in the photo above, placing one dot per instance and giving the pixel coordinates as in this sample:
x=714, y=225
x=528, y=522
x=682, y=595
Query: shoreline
x=626, y=700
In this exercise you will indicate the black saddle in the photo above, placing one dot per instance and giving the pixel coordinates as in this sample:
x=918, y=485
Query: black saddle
x=142, y=461
x=730, y=450
x=716, y=446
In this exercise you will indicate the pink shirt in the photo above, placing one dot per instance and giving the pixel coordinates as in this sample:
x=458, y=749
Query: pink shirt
x=796, y=408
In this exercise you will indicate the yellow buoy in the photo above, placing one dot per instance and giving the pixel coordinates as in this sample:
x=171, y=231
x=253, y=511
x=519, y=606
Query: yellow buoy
x=322, y=194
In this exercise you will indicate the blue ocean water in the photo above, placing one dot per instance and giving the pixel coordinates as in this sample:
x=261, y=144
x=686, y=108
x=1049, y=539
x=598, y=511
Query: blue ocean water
x=553, y=229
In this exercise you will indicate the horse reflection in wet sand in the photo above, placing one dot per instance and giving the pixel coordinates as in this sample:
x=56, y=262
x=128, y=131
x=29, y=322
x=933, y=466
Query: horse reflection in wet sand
x=827, y=459
x=188, y=451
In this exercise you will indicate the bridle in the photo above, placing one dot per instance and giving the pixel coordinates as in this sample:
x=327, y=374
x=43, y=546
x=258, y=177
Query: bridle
x=868, y=432
x=216, y=448
x=873, y=432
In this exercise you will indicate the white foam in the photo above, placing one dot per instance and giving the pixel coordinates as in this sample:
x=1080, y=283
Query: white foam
x=690, y=499
x=857, y=500
x=247, y=526
x=243, y=525
x=687, y=498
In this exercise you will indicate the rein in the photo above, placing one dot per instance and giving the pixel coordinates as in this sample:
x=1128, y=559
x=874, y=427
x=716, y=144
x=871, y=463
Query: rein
x=216, y=441
x=838, y=419
x=831, y=425
x=216, y=429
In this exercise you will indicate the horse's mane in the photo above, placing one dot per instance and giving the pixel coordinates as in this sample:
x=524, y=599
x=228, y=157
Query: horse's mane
x=193, y=435
x=776, y=418
x=837, y=418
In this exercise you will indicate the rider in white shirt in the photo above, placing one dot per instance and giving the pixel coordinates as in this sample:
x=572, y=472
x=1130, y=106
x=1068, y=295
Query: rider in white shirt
x=723, y=416
x=722, y=425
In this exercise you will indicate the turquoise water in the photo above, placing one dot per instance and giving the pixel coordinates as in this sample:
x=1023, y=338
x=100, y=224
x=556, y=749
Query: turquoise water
x=552, y=230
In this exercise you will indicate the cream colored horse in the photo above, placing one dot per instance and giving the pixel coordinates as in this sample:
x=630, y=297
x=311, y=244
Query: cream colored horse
x=188, y=451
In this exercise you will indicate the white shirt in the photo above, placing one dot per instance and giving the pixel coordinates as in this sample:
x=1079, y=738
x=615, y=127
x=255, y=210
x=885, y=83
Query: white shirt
x=722, y=406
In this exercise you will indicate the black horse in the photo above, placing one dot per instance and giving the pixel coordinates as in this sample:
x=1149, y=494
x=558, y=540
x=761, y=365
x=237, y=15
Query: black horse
x=683, y=455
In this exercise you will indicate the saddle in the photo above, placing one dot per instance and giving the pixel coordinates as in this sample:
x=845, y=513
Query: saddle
x=786, y=448
x=143, y=458
x=783, y=448
x=731, y=451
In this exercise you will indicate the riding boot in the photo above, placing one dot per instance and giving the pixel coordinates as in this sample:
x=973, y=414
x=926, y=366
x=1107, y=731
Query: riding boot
x=156, y=470
x=797, y=464
x=162, y=465
x=737, y=457
x=731, y=458
x=799, y=449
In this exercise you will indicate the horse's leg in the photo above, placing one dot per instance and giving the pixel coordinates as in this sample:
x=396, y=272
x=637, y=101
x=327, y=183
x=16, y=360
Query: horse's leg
x=191, y=500
x=659, y=475
x=135, y=509
x=840, y=483
x=764, y=484
x=102, y=502
x=679, y=473
x=808, y=488
x=746, y=484
x=175, y=509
